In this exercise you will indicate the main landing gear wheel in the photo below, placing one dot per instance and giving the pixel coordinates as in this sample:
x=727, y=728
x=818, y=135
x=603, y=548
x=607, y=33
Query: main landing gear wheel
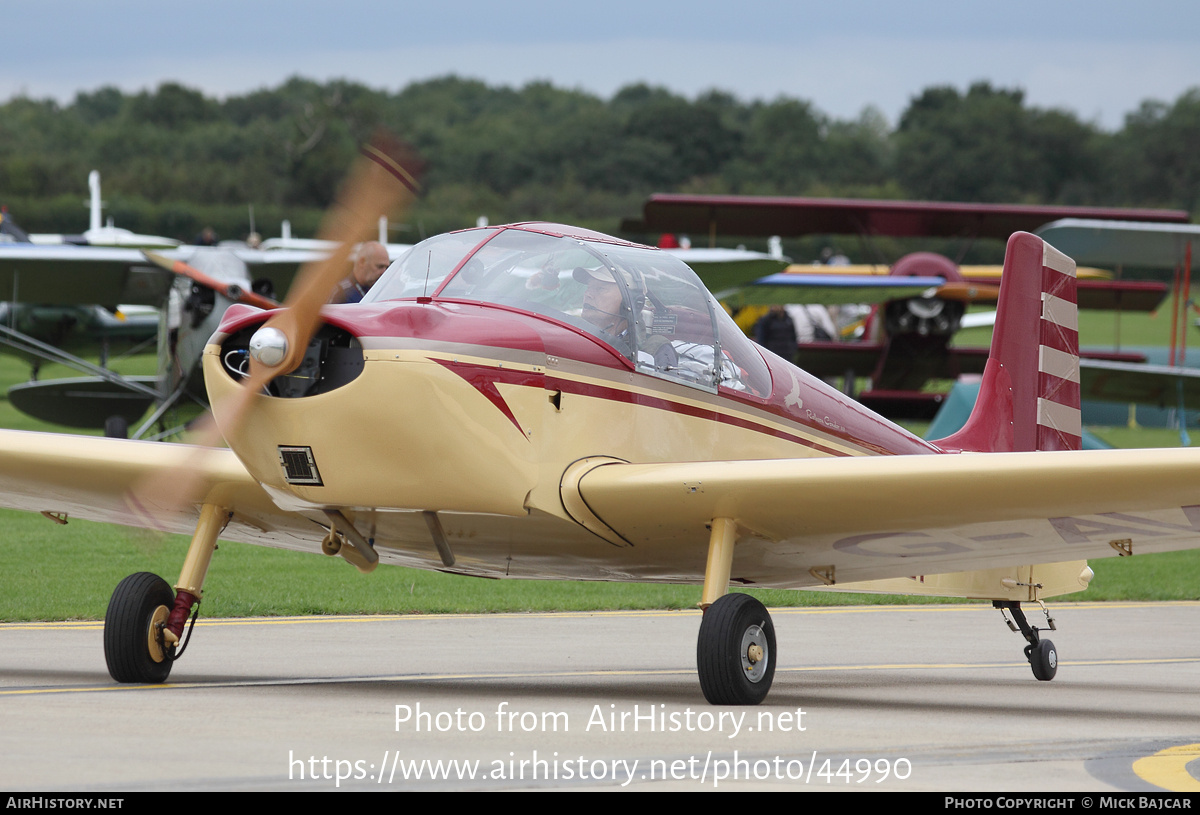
x=1043, y=659
x=133, y=640
x=735, y=653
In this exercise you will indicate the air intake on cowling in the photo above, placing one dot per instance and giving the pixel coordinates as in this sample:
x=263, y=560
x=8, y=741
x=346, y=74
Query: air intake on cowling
x=299, y=466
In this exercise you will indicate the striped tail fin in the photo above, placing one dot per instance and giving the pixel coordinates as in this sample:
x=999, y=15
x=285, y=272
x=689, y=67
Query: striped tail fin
x=1029, y=398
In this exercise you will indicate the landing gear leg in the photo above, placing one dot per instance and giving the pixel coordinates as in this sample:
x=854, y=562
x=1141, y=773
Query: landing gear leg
x=735, y=651
x=1042, y=656
x=145, y=619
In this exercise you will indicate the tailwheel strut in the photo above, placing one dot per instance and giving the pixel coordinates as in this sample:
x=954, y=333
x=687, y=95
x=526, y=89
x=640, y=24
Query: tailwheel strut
x=145, y=620
x=1042, y=656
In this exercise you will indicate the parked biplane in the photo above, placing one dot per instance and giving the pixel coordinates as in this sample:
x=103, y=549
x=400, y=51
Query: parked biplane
x=908, y=342
x=546, y=402
x=1162, y=250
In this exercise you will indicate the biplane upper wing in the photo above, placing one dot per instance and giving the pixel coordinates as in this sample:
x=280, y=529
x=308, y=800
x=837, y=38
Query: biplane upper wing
x=748, y=215
x=91, y=478
x=868, y=518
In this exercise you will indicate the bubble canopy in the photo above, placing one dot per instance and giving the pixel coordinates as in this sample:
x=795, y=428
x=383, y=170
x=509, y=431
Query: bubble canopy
x=645, y=304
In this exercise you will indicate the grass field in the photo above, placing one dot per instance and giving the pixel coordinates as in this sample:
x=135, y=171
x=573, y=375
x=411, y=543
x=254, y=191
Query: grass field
x=51, y=572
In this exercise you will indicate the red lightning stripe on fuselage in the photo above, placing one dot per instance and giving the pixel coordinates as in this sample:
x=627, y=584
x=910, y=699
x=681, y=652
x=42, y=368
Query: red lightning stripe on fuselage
x=485, y=378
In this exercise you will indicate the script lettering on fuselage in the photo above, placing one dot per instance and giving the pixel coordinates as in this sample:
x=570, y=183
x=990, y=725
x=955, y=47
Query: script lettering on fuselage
x=824, y=421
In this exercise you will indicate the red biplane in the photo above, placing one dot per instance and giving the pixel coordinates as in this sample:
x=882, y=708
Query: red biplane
x=545, y=402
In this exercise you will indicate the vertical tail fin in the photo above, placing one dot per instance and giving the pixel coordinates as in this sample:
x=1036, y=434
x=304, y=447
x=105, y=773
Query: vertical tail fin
x=1029, y=398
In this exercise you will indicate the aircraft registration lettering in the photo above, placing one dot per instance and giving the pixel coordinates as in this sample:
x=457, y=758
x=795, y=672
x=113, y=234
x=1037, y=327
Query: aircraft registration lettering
x=1083, y=530
x=859, y=545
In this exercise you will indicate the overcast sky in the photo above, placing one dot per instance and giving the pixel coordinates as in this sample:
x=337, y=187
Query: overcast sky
x=1098, y=58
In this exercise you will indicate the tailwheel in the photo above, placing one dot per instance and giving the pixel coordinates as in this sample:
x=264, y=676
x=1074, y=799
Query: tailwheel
x=1043, y=659
x=133, y=629
x=735, y=652
x=1042, y=656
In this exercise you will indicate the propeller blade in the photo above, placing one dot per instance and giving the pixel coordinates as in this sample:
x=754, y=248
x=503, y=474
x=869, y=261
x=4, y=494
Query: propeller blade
x=383, y=180
x=231, y=291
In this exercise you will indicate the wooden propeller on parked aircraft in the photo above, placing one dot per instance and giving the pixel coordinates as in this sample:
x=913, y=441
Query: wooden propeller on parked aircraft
x=232, y=291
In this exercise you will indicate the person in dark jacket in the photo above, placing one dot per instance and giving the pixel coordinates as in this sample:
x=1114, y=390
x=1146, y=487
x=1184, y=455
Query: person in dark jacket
x=776, y=332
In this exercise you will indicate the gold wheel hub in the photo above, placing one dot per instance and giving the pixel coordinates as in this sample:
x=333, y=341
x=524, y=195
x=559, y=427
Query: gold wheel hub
x=154, y=634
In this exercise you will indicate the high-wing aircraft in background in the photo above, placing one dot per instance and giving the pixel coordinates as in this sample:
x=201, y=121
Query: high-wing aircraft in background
x=63, y=293
x=908, y=342
x=545, y=402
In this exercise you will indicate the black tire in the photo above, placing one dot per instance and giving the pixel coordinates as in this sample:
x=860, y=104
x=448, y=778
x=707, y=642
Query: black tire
x=727, y=674
x=1044, y=660
x=127, y=629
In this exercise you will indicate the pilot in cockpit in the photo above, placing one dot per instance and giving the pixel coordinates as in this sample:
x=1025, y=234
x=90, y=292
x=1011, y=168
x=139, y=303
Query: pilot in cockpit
x=603, y=303
x=606, y=307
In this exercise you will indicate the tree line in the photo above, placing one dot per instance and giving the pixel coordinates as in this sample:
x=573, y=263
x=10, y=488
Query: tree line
x=174, y=160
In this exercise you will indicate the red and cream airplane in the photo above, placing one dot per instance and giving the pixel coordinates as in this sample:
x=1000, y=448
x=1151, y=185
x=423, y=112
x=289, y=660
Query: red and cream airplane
x=544, y=402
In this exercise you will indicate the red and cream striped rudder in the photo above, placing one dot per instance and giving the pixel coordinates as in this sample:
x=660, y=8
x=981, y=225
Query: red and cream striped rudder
x=1029, y=398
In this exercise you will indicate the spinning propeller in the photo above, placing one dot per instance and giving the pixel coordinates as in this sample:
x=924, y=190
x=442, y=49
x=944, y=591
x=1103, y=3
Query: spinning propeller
x=381, y=182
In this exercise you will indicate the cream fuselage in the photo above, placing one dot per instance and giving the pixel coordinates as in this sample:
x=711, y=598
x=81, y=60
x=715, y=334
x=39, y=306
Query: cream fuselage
x=478, y=412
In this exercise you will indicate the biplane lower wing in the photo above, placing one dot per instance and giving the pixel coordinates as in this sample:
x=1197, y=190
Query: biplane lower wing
x=1159, y=385
x=827, y=290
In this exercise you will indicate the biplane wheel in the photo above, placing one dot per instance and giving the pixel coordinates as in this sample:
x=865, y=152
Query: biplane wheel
x=735, y=652
x=133, y=646
x=1044, y=660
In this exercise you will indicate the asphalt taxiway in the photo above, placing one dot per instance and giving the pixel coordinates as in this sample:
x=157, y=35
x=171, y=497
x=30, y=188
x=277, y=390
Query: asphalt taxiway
x=899, y=698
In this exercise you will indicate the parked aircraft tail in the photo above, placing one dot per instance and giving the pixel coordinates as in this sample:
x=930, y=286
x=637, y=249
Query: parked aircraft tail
x=1029, y=398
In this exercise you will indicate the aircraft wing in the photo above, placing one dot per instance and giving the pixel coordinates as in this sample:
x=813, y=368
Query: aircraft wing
x=827, y=290
x=90, y=477
x=1158, y=385
x=801, y=522
x=73, y=275
x=1111, y=243
x=750, y=215
x=729, y=268
x=826, y=358
x=867, y=518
